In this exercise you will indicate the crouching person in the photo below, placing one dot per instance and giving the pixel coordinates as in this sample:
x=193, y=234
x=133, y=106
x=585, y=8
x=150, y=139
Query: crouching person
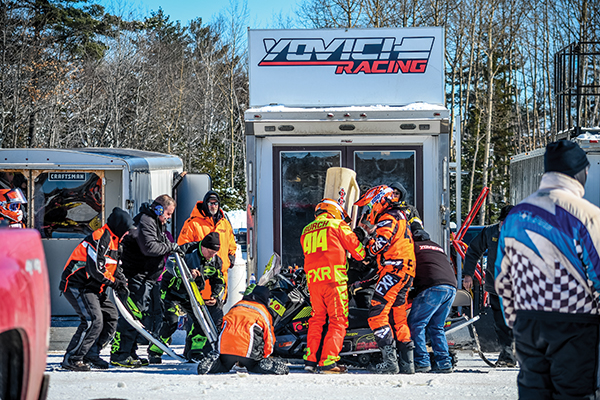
x=247, y=338
x=92, y=267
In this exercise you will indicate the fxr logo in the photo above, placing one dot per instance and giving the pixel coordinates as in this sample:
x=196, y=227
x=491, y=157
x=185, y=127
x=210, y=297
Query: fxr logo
x=352, y=55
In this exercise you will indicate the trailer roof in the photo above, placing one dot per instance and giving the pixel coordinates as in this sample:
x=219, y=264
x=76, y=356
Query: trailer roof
x=91, y=157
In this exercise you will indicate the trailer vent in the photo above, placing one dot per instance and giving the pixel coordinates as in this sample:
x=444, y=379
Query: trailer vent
x=347, y=127
x=424, y=127
x=269, y=128
x=286, y=128
x=408, y=126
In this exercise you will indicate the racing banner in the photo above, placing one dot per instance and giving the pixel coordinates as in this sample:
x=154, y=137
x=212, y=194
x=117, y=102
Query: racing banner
x=346, y=67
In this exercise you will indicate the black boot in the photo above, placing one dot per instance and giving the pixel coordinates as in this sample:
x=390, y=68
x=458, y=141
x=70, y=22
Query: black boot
x=389, y=364
x=406, y=359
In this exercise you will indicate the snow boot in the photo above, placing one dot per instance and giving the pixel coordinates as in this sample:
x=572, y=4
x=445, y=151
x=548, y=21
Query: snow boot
x=273, y=366
x=389, y=365
x=95, y=362
x=206, y=364
x=406, y=360
x=77, y=365
x=506, y=358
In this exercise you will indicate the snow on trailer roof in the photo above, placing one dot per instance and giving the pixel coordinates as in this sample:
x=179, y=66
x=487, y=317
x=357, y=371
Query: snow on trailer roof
x=414, y=110
x=88, y=158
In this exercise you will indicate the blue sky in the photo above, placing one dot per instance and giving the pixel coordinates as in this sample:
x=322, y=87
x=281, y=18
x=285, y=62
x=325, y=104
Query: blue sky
x=262, y=13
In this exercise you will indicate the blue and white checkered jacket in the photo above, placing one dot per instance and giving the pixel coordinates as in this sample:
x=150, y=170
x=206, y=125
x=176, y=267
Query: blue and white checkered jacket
x=548, y=252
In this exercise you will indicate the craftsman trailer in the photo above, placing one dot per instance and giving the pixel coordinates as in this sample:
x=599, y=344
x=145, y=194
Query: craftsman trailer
x=371, y=100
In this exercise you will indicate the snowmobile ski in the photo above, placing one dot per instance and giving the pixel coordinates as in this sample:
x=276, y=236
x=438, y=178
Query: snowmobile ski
x=124, y=311
x=197, y=302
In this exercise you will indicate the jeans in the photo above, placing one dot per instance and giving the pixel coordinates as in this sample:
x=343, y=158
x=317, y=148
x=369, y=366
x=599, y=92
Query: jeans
x=429, y=311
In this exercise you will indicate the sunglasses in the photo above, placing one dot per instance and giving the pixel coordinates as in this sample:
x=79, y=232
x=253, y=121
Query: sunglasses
x=213, y=203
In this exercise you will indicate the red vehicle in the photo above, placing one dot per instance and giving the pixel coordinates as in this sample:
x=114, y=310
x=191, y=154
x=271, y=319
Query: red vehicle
x=24, y=315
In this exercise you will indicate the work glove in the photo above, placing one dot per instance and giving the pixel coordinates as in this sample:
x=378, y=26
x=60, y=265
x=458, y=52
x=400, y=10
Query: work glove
x=355, y=287
x=189, y=247
x=176, y=249
x=121, y=289
x=231, y=260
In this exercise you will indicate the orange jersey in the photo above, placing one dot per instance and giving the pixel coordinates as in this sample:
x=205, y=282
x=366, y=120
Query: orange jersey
x=325, y=242
x=393, y=243
x=239, y=336
x=197, y=226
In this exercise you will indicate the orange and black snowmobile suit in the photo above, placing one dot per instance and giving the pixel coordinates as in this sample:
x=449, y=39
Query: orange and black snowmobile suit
x=392, y=244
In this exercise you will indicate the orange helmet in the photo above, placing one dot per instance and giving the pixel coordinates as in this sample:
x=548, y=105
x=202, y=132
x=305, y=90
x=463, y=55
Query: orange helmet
x=331, y=207
x=10, y=204
x=374, y=202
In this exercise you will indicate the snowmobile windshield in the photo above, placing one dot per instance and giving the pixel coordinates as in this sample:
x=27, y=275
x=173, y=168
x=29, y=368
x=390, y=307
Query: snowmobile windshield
x=272, y=269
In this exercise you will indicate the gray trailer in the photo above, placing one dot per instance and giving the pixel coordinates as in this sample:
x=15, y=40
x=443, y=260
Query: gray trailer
x=71, y=192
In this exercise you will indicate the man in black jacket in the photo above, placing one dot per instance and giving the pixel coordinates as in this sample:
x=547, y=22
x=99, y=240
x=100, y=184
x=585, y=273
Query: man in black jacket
x=143, y=262
x=488, y=240
x=434, y=289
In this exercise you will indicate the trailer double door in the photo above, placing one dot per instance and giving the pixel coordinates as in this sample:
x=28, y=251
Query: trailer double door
x=299, y=181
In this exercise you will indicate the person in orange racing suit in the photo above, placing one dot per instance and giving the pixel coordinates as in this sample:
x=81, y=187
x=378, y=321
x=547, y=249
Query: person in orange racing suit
x=392, y=244
x=92, y=267
x=325, y=242
x=247, y=338
x=208, y=217
x=10, y=207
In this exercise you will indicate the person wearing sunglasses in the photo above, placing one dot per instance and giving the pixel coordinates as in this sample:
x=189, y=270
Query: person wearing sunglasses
x=10, y=207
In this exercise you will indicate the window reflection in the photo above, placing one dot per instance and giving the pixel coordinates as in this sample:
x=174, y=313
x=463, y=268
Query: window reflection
x=68, y=204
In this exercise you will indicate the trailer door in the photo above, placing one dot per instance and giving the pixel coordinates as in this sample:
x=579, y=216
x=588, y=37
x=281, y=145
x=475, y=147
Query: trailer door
x=299, y=182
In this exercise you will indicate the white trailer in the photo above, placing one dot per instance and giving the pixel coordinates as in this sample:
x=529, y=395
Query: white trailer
x=71, y=192
x=526, y=169
x=367, y=99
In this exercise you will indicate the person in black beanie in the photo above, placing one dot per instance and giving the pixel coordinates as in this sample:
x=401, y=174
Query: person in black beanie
x=548, y=276
x=205, y=266
x=434, y=288
x=487, y=240
x=143, y=261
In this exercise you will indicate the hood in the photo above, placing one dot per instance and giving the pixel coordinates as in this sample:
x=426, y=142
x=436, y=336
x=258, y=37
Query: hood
x=119, y=222
x=204, y=204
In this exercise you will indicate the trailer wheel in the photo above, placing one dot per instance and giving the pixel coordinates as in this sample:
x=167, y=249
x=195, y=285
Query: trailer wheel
x=11, y=365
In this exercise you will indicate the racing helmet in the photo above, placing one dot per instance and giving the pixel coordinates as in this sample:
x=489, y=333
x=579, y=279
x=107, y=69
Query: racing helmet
x=10, y=204
x=331, y=207
x=374, y=202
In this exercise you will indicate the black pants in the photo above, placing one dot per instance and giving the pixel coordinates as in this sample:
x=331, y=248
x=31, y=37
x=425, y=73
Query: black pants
x=170, y=319
x=97, y=323
x=558, y=354
x=126, y=338
x=504, y=333
x=225, y=362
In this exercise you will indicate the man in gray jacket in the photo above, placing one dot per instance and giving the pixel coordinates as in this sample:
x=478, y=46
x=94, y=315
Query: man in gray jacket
x=548, y=275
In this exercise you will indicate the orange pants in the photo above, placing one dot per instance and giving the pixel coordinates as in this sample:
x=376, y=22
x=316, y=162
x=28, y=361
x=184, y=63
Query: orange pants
x=327, y=300
x=390, y=296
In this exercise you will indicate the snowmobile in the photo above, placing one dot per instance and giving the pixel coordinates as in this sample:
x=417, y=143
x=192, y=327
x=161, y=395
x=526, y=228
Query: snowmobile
x=290, y=303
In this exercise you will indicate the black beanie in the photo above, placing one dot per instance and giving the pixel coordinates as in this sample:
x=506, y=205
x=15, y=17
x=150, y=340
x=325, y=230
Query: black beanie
x=119, y=222
x=566, y=157
x=211, y=241
x=504, y=212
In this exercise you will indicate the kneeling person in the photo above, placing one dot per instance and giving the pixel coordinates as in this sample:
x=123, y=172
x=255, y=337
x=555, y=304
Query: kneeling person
x=247, y=338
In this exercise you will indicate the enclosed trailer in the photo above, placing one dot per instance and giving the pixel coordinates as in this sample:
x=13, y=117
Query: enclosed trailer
x=71, y=192
x=371, y=100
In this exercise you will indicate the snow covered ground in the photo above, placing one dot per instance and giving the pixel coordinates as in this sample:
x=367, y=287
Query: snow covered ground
x=171, y=380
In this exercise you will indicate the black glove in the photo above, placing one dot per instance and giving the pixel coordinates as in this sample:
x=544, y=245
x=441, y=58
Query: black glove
x=355, y=287
x=360, y=233
x=121, y=289
x=231, y=260
x=176, y=249
x=189, y=247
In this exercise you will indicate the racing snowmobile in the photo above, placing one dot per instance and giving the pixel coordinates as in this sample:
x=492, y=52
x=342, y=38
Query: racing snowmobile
x=290, y=305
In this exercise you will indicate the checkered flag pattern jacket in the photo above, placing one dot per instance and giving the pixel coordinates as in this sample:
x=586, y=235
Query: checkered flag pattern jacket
x=548, y=252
